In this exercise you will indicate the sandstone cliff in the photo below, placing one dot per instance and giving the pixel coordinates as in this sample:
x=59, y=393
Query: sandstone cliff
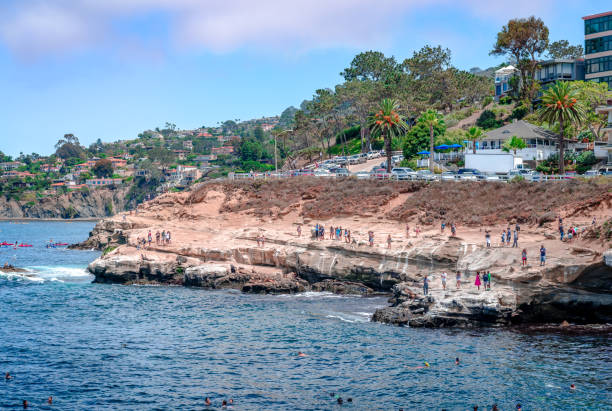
x=217, y=236
x=91, y=204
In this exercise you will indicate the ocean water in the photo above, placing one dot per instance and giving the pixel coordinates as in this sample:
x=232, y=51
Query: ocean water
x=111, y=347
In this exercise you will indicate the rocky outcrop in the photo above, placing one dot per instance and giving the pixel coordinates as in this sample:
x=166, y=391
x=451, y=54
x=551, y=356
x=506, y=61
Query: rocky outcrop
x=97, y=203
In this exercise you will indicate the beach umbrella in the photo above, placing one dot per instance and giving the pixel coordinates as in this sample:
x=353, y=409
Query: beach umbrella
x=442, y=147
x=456, y=146
x=423, y=152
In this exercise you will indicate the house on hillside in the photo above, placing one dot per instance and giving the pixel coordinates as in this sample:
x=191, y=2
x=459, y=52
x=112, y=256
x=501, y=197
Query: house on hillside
x=118, y=162
x=502, y=81
x=222, y=150
x=188, y=145
x=99, y=182
x=541, y=143
x=10, y=165
x=49, y=168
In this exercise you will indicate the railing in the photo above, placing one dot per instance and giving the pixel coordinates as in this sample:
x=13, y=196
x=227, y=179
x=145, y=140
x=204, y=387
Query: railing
x=407, y=177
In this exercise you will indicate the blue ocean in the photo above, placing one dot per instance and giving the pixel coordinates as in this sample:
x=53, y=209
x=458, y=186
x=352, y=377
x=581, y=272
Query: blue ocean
x=111, y=347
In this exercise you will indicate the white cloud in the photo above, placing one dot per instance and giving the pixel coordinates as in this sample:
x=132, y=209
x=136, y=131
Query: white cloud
x=38, y=27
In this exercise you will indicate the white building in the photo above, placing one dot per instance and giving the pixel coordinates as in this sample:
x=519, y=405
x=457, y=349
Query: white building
x=541, y=143
x=502, y=81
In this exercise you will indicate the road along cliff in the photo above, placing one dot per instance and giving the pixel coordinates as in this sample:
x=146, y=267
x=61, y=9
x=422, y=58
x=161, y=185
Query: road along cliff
x=247, y=236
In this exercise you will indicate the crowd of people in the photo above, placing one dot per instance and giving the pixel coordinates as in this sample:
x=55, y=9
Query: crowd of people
x=161, y=238
x=482, y=279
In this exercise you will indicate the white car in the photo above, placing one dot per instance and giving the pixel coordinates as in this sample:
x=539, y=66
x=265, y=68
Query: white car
x=468, y=177
x=322, y=173
x=448, y=176
x=362, y=175
x=426, y=175
x=373, y=154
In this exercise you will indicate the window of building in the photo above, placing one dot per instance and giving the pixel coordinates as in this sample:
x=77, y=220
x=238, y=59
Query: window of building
x=605, y=79
x=598, y=45
x=598, y=65
x=597, y=25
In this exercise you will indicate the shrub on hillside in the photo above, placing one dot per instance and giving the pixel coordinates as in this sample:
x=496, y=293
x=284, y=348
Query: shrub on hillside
x=488, y=120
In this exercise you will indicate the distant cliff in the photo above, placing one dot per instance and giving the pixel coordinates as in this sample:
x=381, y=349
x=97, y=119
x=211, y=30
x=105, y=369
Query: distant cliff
x=77, y=204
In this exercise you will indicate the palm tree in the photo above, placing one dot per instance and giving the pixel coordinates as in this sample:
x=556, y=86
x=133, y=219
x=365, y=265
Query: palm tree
x=559, y=104
x=514, y=144
x=474, y=134
x=431, y=119
x=388, y=123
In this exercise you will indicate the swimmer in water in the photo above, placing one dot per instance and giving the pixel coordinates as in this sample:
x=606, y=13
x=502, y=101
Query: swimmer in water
x=8, y=376
x=301, y=354
x=224, y=403
x=340, y=400
x=207, y=401
x=25, y=404
x=50, y=400
x=572, y=387
x=457, y=361
x=518, y=407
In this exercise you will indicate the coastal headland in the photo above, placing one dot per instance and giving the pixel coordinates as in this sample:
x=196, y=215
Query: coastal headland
x=244, y=235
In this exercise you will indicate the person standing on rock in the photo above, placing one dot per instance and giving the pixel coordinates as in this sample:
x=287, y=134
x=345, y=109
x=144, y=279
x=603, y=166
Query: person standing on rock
x=484, y=281
x=157, y=236
x=150, y=238
x=542, y=255
x=389, y=241
x=508, y=235
x=515, y=243
x=488, y=239
x=524, y=256
x=453, y=229
x=443, y=278
x=299, y=230
x=371, y=238
x=503, y=238
x=168, y=237
x=425, y=285
x=561, y=232
x=477, y=282
x=458, y=280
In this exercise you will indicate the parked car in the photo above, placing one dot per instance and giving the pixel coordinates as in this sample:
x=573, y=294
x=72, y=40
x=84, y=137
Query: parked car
x=322, y=173
x=468, y=177
x=426, y=175
x=396, y=159
x=448, y=176
x=468, y=170
x=356, y=159
x=378, y=172
x=402, y=173
x=605, y=171
x=362, y=175
x=591, y=173
x=492, y=177
x=340, y=172
x=373, y=154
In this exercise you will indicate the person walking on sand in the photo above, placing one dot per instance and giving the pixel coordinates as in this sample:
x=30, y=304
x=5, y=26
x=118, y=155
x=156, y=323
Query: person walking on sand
x=488, y=239
x=477, y=282
x=542, y=255
x=425, y=285
x=524, y=255
x=458, y=285
x=389, y=241
x=443, y=278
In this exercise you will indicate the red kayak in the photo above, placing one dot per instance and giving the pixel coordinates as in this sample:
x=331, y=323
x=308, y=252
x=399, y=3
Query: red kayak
x=24, y=245
x=5, y=243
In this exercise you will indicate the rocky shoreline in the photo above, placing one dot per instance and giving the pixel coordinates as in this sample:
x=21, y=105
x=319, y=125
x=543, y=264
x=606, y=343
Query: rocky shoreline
x=575, y=287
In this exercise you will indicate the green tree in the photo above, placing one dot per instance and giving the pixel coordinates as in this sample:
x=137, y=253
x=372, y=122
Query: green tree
x=250, y=150
x=370, y=65
x=592, y=95
x=561, y=49
x=431, y=119
x=389, y=123
x=103, y=168
x=474, y=134
x=524, y=40
x=258, y=133
x=417, y=138
x=514, y=144
x=488, y=120
x=560, y=105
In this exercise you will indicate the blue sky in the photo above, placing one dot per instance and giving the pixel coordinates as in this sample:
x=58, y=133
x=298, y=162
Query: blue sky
x=110, y=69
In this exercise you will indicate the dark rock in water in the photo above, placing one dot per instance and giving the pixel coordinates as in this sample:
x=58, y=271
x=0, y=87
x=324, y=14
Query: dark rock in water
x=7, y=268
x=341, y=287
